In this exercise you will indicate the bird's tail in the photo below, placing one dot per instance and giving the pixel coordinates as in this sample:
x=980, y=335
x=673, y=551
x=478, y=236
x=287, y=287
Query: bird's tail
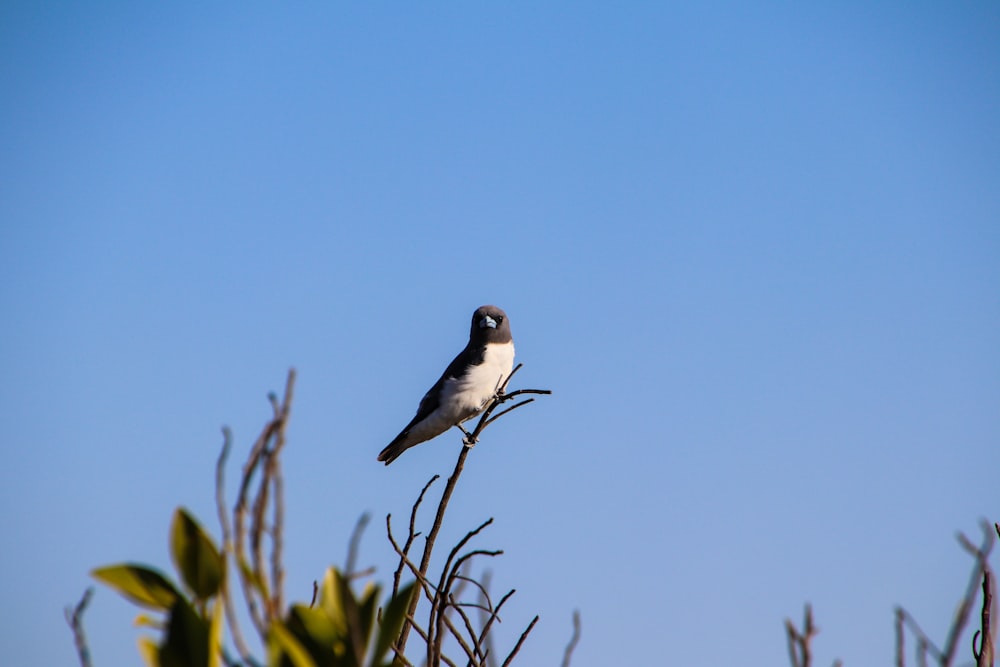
x=394, y=449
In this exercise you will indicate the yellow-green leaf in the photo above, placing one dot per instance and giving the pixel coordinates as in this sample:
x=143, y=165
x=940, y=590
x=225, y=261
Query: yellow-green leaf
x=215, y=636
x=149, y=651
x=366, y=612
x=195, y=556
x=145, y=620
x=140, y=584
x=331, y=600
x=283, y=643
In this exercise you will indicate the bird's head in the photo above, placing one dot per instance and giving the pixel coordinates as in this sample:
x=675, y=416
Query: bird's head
x=490, y=325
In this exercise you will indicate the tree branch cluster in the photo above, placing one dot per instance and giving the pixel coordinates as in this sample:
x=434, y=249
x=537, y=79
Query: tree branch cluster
x=981, y=576
x=444, y=596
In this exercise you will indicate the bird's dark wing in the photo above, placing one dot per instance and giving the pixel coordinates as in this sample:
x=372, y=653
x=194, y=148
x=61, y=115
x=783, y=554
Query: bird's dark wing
x=431, y=400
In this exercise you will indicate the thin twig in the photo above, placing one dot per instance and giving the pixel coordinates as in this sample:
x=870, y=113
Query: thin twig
x=486, y=616
x=924, y=641
x=799, y=642
x=517, y=647
x=405, y=552
x=266, y=460
x=470, y=654
x=965, y=607
x=439, y=607
x=432, y=536
x=453, y=603
x=429, y=590
x=74, y=617
x=513, y=407
x=282, y=415
x=352, y=549
x=900, y=638
x=574, y=640
x=495, y=616
x=227, y=545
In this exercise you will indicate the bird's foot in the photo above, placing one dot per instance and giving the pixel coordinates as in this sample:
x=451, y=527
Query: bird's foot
x=468, y=440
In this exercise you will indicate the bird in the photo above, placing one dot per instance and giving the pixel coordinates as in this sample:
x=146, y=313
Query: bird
x=465, y=388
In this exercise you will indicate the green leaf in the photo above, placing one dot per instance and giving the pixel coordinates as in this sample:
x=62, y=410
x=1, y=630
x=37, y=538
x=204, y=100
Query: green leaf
x=331, y=600
x=281, y=643
x=393, y=617
x=140, y=584
x=366, y=613
x=314, y=630
x=195, y=556
x=186, y=643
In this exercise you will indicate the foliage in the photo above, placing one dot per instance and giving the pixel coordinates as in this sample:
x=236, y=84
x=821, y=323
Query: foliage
x=339, y=627
x=339, y=631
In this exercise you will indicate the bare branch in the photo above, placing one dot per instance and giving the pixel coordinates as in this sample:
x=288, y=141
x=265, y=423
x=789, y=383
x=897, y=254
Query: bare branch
x=574, y=640
x=432, y=536
x=469, y=652
x=517, y=647
x=900, y=638
x=227, y=545
x=428, y=588
x=352, y=549
x=799, y=649
x=405, y=551
x=266, y=459
x=440, y=604
x=981, y=554
x=924, y=643
x=74, y=617
x=984, y=656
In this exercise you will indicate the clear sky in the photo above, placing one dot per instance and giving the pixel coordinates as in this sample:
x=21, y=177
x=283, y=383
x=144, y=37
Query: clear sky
x=753, y=249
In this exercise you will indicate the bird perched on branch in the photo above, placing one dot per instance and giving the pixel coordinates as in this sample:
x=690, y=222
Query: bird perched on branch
x=467, y=385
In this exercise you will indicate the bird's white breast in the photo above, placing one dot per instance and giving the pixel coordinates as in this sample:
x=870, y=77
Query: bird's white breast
x=465, y=397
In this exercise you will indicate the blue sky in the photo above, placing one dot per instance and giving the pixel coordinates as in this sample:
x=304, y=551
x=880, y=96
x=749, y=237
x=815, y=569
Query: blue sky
x=753, y=250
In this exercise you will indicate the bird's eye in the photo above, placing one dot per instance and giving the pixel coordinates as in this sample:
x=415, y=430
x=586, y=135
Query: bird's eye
x=499, y=319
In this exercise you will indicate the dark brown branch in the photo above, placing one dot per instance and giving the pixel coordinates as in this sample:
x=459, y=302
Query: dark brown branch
x=984, y=656
x=477, y=650
x=405, y=552
x=449, y=575
x=498, y=400
x=517, y=647
x=425, y=560
x=495, y=615
x=981, y=554
x=799, y=650
x=74, y=617
x=428, y=588
x=469, y=652
x=440, y=603
x=574, y=640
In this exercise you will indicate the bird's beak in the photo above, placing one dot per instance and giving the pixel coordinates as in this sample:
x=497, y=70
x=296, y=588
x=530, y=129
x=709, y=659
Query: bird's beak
x=488, y=322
